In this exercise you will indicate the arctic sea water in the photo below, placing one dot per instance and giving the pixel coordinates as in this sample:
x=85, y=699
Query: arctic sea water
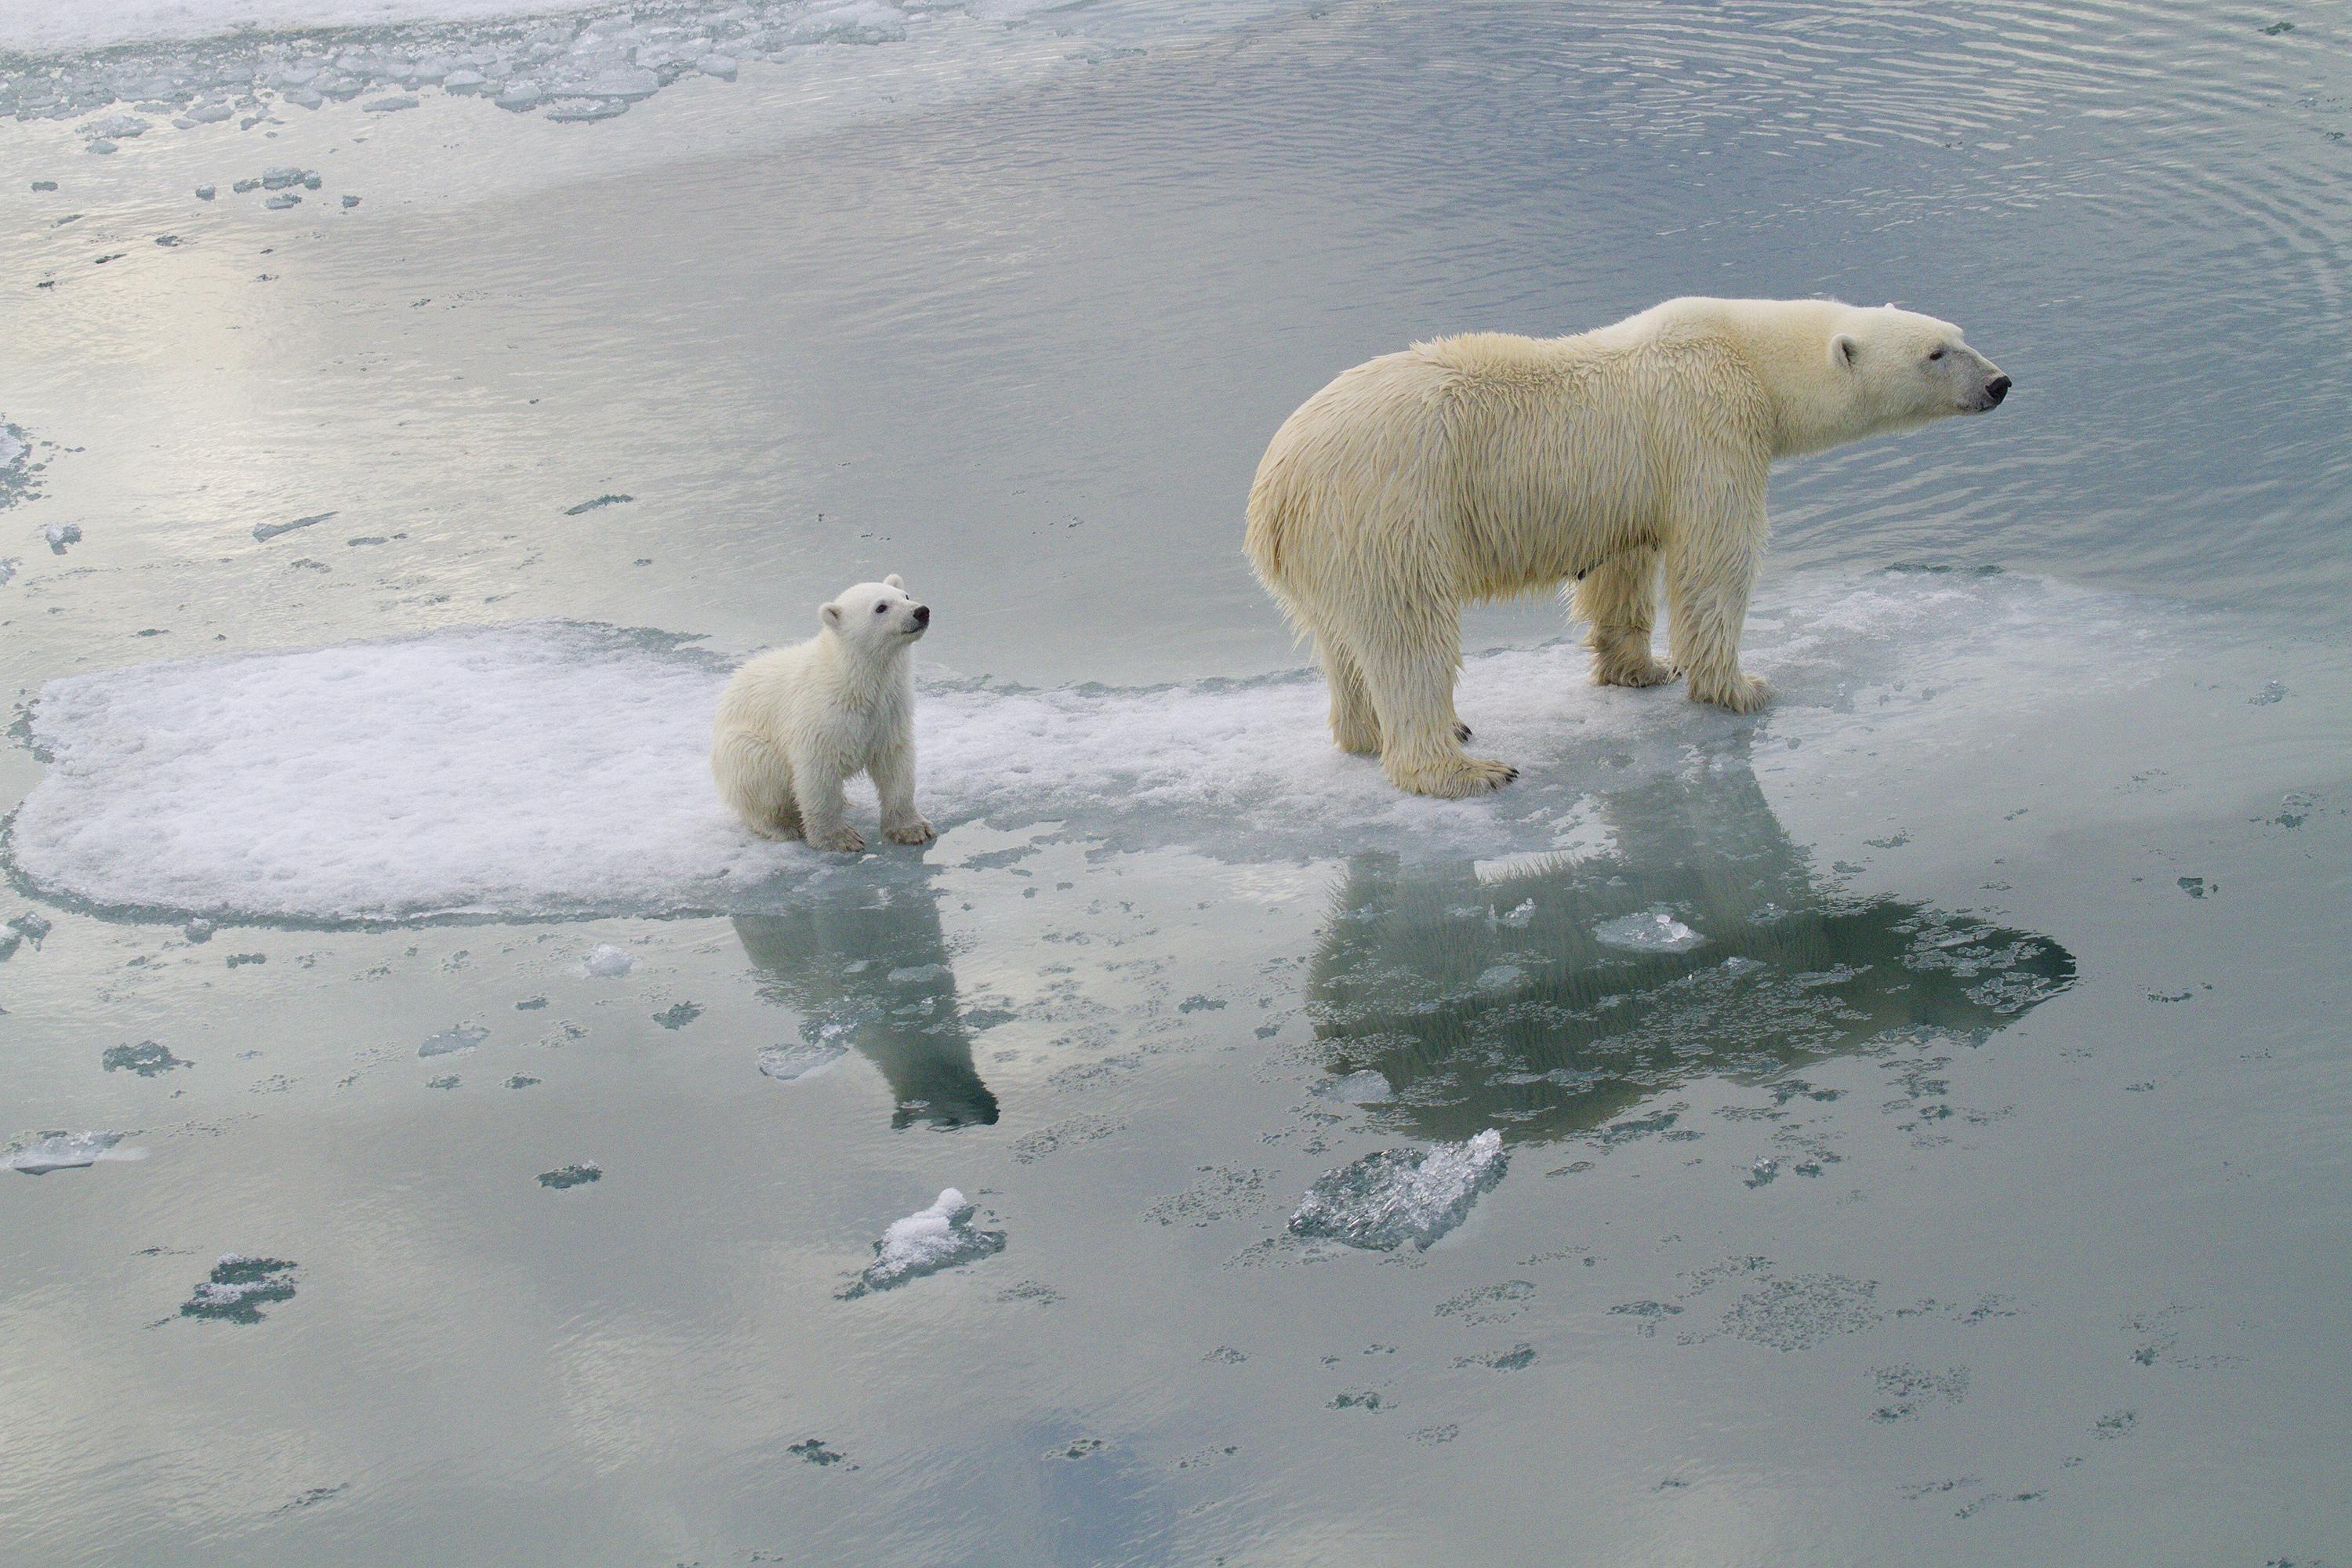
x=1905, y=1125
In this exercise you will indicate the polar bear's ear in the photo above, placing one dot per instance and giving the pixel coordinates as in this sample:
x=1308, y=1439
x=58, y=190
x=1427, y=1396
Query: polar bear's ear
x=831, y=614
x=1843, y=348
x=894, y=581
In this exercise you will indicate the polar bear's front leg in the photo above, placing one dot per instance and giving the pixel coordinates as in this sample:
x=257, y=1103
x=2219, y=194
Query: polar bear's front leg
x=825, y=807
x=1619, y=599
x=893, y=781
x=1711, y=565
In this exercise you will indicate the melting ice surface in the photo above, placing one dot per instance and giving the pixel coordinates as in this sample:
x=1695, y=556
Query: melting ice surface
x=66, y=1152
x=560, y=768
x=1398, y=1195
x=941, y=1236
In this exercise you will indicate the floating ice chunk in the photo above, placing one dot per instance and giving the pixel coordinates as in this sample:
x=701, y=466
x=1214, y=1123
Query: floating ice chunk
x=391, y=105
x=604, y=961
x=1398, y=1195
x=8, y=564
x=520, y=96
x=789, y=1063
x=1366, y=1087
x=122, y=126
x=629, y=82
x=283, y=200
x=921, y=973
x=449, y=1041
x=199, y=931
x=720, y=65
x=210, y=113
x=204, y=193
x=578, y=1175
x=1652, y=931
x=66, y=1152
x=277, y=177
x=60, y=535
x=239, y=1287
x=350, y=201
x=102, y=145
x=941, y=1236
x=463, y=80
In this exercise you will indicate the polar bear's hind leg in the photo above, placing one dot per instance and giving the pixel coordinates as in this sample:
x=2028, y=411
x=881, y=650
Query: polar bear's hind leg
x=1410, y=675
x=1355, y=723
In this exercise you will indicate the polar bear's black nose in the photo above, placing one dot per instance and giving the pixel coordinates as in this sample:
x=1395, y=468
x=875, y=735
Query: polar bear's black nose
x=1997, y=388
x=922, y=615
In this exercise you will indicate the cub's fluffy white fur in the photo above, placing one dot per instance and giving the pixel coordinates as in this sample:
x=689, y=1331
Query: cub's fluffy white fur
x=796, y=724
x=1485, y=466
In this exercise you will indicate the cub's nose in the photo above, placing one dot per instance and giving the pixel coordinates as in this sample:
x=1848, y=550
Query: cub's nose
x=922, y=615
x=1997, y=388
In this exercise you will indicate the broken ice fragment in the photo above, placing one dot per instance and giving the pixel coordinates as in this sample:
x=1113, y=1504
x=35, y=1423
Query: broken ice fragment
x=941, y=1236
x=1366, y=1087
x=448, y=1042
x=1400, y=1195
x=573, y=1175
x=61, y=534
x=787, y=1064
x=66, y=1152
x=604, y=961
x=1652, y=931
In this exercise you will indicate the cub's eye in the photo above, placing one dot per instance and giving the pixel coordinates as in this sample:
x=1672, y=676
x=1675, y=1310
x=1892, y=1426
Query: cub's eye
x=879, y=608
x=1937, y=354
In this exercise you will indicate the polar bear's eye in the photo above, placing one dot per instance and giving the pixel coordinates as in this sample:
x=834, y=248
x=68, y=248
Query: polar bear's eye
x=1937, y=354
x=879, y=608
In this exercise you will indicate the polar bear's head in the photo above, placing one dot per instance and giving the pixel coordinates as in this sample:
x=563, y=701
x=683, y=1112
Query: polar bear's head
x=877, y=617
x=1838, y=373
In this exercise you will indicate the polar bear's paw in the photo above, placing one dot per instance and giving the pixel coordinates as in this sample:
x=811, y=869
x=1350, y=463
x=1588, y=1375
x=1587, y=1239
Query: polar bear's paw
x=1737, y=692
x=1641, y=671
x=1454, y=778
x=915, y=832
x=843, y=840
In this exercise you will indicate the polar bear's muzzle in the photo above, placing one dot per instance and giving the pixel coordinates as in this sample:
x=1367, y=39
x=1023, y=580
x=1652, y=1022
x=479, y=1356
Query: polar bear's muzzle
x=1994, y=391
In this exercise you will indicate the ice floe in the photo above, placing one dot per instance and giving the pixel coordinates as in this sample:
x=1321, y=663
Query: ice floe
x=1397, y=1196
x=563, y=769
x=941, y=1236
x=239, y=1287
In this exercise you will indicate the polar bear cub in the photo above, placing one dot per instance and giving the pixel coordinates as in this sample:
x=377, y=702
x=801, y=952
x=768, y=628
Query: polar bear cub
x=796, y=724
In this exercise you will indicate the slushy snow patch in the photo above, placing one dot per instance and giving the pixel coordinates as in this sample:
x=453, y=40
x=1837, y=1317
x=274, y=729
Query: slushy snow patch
x=563, y=769
x=1398, y=1195
x=941, y=1236
x=66, y=1152
x=1651, y=930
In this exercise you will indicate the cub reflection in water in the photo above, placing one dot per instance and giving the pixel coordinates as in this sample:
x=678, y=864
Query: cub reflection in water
x=868, y=967
x=1483, y=993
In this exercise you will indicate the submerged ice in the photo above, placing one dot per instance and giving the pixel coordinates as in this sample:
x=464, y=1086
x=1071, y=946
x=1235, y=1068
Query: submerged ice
x=48, y=1152
x=560, y=768
x=941, y=1236
x=1396, y=1196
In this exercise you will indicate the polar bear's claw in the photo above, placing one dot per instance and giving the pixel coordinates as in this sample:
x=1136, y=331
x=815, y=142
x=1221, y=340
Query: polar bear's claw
x=1462, y=732
x=845, y=841
x=915, y=832
x=1456, y=779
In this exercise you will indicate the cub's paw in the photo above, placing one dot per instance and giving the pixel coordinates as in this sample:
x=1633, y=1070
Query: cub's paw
x=1737, y=693
x=915, y=832
x=842, y=840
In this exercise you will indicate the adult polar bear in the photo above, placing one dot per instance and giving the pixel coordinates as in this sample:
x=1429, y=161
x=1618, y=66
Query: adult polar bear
x=1485, y=466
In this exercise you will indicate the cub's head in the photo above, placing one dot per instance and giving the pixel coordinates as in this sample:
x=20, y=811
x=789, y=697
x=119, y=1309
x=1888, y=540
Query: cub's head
x=1890, y=369
x=878, y=616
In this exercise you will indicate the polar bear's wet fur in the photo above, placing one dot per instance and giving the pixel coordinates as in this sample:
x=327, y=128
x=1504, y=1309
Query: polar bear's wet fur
x=1486, y=466
x=796, y=724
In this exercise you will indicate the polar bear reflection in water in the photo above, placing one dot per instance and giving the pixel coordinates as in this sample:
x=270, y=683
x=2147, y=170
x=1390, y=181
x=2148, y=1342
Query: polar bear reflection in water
x=1483, y=996
x=869, y=968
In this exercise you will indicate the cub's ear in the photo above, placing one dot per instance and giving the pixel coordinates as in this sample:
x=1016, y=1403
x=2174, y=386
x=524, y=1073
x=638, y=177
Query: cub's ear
x=1843, y=349
x=831, y=613
x=894, y=581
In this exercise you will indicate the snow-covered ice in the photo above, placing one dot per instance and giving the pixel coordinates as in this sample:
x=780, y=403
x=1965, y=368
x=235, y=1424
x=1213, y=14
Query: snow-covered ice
x=1650, y=930
x=941, y=1236
x=49, y=1152
x=561, y=768
x=1398, y=1195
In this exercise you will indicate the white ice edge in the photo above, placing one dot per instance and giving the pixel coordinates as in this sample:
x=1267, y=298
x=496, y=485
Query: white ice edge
x=555, y=768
